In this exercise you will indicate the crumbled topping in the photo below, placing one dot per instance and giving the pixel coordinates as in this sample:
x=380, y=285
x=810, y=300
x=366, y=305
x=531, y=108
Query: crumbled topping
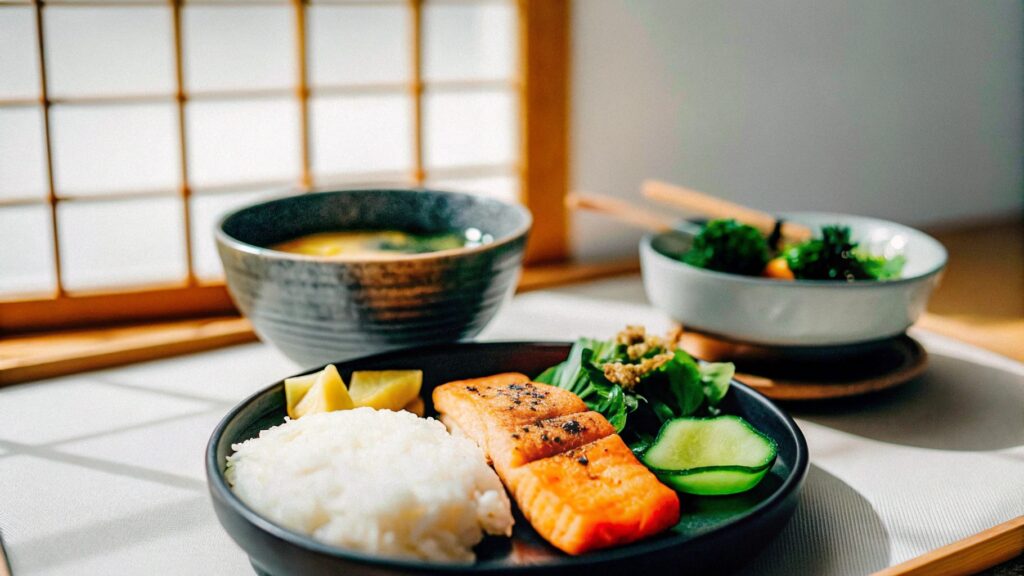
x=629, y=375
x=639, y=343
x=631, y=335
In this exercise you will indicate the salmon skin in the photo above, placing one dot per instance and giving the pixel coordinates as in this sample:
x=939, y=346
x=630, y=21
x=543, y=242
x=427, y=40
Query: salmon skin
x=572, y=476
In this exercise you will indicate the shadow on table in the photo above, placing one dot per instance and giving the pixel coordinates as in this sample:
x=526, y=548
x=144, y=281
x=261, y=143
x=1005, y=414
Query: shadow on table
x=955, y=405
x=834, y=531
x=76, y=546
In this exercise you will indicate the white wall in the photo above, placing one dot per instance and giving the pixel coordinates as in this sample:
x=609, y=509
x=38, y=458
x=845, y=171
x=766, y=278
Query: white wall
x=905, y=109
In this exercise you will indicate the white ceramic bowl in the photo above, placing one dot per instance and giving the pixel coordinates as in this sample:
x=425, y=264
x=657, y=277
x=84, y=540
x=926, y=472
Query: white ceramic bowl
x=801, y=313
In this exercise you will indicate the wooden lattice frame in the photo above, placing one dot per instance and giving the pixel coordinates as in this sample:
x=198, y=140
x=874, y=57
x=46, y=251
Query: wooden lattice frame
x=541, y=83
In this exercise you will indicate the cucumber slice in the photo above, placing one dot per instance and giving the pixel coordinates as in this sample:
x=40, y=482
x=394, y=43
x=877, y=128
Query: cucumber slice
x=710, y=456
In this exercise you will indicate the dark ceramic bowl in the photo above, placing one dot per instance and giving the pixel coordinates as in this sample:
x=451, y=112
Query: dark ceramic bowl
x=317, y=310
x=716, y=534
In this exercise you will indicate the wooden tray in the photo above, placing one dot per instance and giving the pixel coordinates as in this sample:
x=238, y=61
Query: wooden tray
x=826, y=374
x=971, y=555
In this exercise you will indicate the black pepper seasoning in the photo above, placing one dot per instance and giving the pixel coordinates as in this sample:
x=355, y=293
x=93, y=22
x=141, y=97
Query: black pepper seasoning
x=572, y=427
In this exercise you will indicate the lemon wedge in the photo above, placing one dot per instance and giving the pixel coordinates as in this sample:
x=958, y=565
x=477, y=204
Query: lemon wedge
x=322, y=391
x=386, y=389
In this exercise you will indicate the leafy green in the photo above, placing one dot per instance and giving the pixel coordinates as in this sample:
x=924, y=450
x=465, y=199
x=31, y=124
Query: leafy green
x=683, y=379
x=551, y=375
x=678, y=387
x=728, y=246
x=642, y=443
x=880, y=267
x=571, y=373
x=610, y=399
x=715, y=378
x=662, y=410
x=835, y=256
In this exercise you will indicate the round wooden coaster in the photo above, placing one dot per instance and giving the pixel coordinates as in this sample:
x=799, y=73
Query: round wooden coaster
x=786, y=375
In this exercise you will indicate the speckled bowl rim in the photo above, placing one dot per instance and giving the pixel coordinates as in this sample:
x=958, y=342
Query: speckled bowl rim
x=223, y=237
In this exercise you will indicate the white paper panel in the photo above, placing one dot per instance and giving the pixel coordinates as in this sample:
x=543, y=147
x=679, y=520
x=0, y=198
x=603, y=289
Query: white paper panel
x=468, y=128
x=123, y=242
x=22, y=153
x=19, y=56
x=359, y=44
x=26, y=250
x=103, y=149
x=244, y=141
x=469, y=41
x=230, y=47
x=104, y=50
x=362, y=134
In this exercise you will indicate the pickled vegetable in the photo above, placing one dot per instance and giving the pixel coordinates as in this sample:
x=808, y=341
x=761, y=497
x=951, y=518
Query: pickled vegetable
x=385, y=389
x=326, y=394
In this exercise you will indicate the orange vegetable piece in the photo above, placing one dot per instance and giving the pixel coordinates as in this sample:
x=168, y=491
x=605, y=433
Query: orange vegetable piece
x=778, y=269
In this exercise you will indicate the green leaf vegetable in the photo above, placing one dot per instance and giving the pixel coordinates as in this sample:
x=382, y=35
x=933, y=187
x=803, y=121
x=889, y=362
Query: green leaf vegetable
x=835, y=256
x=639, y=382
x=715, y=378
x=728, y=246
x=880, y=267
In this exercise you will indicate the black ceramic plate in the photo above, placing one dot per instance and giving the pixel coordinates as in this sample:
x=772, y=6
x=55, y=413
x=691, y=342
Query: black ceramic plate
x=715, y=534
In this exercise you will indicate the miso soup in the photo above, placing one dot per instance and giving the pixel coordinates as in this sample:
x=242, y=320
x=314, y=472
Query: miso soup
x=380, y=243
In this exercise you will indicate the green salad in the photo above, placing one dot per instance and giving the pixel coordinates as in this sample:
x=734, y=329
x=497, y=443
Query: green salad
x=728, y=246
x=665, y=405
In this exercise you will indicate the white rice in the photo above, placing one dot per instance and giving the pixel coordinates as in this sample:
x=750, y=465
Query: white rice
x=377, y=481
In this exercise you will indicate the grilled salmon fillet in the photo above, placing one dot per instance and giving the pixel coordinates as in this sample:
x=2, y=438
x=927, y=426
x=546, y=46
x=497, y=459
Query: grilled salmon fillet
x=574, y=479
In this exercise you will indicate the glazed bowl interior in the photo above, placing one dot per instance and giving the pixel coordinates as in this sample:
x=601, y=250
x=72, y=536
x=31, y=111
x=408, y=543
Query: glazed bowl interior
x=258, y=227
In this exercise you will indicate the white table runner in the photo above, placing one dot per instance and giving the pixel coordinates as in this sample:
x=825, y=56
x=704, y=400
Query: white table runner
x=102, y=473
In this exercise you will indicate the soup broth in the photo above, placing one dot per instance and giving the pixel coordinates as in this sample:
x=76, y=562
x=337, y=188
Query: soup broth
x=380, y=243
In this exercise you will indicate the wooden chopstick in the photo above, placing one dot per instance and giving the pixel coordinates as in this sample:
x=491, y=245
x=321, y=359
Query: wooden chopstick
x=619, y=210
x=968, y=556
x=700, y=203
